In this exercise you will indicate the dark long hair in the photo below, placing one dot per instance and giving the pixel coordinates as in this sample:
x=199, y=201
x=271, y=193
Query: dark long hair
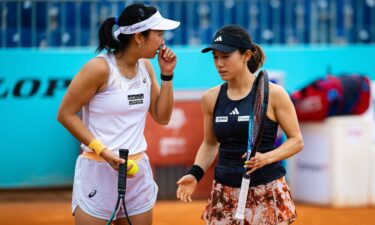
x=130, y=15
x=257, y=55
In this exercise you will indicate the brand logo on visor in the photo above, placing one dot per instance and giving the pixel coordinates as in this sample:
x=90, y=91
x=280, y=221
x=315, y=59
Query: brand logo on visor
x=132, y=29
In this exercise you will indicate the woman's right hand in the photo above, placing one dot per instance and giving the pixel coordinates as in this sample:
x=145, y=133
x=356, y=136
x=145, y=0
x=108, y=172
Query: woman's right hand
x=167, y=60
x=186, y=187
x=112, y=158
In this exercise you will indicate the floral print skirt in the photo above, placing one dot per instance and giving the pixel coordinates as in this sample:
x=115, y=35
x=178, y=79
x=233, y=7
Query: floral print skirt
x=267, y=204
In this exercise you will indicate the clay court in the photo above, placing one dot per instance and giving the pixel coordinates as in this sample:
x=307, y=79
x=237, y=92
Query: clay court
x=42, y=207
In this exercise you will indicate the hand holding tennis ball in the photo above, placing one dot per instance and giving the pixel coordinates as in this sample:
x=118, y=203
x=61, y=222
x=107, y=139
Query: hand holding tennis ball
x=132, y=171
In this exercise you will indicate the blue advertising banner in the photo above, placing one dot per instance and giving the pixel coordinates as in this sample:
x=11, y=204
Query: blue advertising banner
x=36, y=151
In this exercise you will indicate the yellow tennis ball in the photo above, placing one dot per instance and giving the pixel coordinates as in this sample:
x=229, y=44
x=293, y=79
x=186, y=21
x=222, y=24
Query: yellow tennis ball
x=134, y=169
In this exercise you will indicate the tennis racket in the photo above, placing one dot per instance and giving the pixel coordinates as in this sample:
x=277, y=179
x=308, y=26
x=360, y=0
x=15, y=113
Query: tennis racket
x=122, y=176
x=259, y=102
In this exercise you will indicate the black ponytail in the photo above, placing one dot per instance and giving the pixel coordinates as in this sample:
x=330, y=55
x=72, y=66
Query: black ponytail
x=257, y=58
x=106, y=39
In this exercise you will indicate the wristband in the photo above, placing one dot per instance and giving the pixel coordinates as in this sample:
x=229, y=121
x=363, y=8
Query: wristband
x=165, y=77
x=97, y=146
x=196, y=171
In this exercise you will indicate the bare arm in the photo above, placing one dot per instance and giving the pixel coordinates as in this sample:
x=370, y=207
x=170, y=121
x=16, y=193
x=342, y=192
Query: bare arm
x=287, y=118
x=162, y=99
x=282, y=110
x=91, y=79
x=207, y=151
x=84, y=86
x=209, y=148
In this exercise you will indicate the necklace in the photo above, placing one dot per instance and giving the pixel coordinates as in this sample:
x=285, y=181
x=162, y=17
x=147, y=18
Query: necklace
x=127, y=73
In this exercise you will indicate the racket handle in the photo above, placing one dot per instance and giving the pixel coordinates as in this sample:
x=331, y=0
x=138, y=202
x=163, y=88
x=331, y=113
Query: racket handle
x=122, y=172
x=240, y=212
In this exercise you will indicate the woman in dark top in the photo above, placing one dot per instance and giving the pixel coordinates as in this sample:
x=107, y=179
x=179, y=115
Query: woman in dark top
x=226, y=111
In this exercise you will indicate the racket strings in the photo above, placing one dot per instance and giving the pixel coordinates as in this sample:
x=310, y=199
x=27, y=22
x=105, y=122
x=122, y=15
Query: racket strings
x=258, y=109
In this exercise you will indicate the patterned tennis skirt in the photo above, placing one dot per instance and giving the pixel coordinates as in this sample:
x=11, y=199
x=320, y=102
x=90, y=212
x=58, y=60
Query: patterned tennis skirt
x=267, y=204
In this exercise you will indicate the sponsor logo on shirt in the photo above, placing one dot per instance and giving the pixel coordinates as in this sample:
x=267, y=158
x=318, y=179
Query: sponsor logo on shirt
x=243, y=118
x=221, y=119
x=135, y=99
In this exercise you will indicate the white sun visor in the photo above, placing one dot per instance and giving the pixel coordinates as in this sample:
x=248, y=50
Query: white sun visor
x=155, y=22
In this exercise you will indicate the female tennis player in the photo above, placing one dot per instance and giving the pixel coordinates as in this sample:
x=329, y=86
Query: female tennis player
x=226, y=126
x=114, y=91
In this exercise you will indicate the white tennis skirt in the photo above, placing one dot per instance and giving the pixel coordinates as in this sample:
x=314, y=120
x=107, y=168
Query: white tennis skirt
x=95, y=189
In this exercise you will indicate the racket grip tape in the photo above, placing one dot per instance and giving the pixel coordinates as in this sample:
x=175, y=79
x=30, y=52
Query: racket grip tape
x=240, y=212
x=122, y=175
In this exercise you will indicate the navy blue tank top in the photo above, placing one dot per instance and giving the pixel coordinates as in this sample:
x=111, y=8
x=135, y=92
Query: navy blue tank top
x=231, y=125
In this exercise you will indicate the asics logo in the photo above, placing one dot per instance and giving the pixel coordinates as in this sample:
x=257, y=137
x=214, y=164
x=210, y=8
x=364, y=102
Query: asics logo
x=92, y=194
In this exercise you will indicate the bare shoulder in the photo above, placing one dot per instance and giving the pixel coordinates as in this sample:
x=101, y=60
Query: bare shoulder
x=277, y=91
x=96, y=69
x=148, y=65
x=209, y=97
x=147, y=62
x=212, y=93
x=279, y=97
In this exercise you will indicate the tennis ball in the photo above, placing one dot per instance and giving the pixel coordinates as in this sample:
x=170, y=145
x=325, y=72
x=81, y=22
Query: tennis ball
x=134, y=169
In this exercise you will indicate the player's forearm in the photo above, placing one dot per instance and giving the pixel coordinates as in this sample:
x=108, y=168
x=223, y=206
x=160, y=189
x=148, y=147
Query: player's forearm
x=164, y=104
x=206, y=155
x=76, y=127
x=287, y=149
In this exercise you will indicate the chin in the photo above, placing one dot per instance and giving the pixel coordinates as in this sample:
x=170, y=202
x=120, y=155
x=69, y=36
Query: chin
x=223, y=77
x=150, y=56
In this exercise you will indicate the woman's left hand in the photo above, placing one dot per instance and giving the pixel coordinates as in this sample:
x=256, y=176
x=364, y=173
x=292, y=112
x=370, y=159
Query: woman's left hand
x=167, y=60
x=256, y=162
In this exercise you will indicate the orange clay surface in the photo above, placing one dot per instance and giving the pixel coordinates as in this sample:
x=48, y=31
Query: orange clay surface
x=53, y=208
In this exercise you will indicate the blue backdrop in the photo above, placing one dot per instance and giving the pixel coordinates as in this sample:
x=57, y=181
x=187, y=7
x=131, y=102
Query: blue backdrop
x=38, y=152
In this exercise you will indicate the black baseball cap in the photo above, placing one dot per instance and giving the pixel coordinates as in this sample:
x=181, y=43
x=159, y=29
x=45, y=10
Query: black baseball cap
x=227, y=43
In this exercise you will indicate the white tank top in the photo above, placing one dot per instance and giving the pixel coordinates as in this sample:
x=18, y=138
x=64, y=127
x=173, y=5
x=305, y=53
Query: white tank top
x=117, y=115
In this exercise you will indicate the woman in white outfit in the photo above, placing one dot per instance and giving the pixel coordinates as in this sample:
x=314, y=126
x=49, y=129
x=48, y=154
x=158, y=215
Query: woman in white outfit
x=114, y=91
